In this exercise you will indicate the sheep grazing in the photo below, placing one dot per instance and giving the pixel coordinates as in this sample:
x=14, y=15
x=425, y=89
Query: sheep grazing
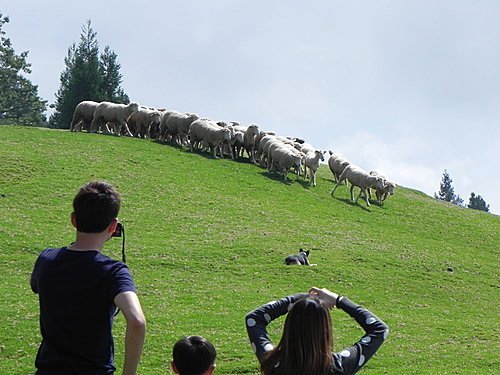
x=311, y=161
x=360, y=178
x=210, y=134
x=83, y=115
x=113, y=112
x=387, y=190
x=143, y=121
x=337, y=163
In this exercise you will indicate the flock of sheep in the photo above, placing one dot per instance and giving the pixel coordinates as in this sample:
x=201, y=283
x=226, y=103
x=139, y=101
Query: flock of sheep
x=276, y=153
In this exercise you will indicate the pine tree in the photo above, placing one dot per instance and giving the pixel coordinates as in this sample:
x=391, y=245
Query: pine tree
x=88, y=76
x=19, y=100
x=447, y=192
x=476, y=202
x=111, y=78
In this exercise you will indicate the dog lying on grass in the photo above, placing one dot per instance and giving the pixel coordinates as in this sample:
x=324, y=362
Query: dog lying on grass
x=300, y=259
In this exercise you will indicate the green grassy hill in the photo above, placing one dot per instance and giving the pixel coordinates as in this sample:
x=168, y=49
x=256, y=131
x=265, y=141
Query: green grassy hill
x=206, y=240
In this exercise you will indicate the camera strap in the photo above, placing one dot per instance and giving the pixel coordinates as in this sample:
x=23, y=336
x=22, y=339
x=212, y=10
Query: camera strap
x=123, y=245
x=124, y=260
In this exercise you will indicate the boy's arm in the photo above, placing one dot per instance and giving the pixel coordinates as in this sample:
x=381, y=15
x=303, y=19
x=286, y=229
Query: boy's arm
x=130, y=306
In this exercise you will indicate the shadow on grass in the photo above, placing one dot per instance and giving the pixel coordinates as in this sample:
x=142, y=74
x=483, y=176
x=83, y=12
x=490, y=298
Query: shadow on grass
x=168, y=143
x=351, y=203
x=290, y=181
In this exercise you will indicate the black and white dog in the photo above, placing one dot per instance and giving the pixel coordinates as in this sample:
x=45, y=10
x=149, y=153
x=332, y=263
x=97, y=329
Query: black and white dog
x=301, y=259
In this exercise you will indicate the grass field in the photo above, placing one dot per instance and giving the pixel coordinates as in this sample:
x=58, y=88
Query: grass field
x=206, y=240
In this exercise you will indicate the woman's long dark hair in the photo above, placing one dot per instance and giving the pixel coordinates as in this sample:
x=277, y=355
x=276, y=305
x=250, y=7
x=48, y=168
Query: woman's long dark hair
x=306, y=345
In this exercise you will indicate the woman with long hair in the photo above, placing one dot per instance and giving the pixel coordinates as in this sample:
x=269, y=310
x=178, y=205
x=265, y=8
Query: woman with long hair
x=305, y=347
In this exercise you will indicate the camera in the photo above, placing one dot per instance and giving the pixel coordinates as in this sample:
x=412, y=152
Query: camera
x=118, y=231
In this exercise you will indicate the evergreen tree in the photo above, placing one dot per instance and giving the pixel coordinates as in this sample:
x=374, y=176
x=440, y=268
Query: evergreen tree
x=19, y=100
x=111, y=78
x=476, y=202
x=81, y=78
x=87, y=76
x=447, y=192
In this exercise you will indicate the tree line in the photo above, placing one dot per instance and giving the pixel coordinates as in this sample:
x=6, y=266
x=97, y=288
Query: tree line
x=447, y=193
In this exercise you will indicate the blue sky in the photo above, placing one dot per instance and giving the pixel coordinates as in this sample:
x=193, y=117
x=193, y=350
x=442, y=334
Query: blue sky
x=407, y=87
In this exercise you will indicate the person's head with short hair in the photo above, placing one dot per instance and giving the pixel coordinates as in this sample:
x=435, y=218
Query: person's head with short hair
x=193, y=355
x=306, y=344
x=95, y=206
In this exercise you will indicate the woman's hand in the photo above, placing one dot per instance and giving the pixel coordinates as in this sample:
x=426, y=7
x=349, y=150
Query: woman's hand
x=324, y=295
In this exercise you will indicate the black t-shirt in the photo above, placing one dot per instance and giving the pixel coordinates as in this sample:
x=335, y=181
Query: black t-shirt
x=76, y=291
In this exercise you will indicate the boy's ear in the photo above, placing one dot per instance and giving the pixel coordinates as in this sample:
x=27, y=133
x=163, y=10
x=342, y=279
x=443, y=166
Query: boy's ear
x=112, y=225
x=73, y=219
x=174, y=369
x=211, y=369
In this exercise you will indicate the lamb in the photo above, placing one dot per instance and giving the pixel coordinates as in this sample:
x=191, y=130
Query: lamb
x=360, y=178
x=113, y=112
x=337, y=163
x=141, y=122
x=311, y=161
x=388, y=189
x=209, y=133
x=83, y=115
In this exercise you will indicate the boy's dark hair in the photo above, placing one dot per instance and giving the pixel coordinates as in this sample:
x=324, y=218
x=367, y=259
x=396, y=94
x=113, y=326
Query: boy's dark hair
x=95, y=205
x=193, y=355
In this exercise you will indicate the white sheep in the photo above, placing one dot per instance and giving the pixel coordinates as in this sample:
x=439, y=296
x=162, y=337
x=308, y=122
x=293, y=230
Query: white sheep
x=228, y=146
x=311, y=161
x=257, y=140
x=237, y=140
x=263, y=148
x=249, y=139
x=208, y=133
x=337, y=164
x=274, y=151
x=113, y=112
x=178, y=124
x=162, y=134
x=306, y=148
x=360, y=178
x=282, y=156
x=387, y=190
x=141, y=122
x=83, y=115
x=285, y=158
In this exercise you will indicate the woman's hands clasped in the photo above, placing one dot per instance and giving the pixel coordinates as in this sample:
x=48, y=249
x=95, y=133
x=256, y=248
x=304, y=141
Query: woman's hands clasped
x=328, y=298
